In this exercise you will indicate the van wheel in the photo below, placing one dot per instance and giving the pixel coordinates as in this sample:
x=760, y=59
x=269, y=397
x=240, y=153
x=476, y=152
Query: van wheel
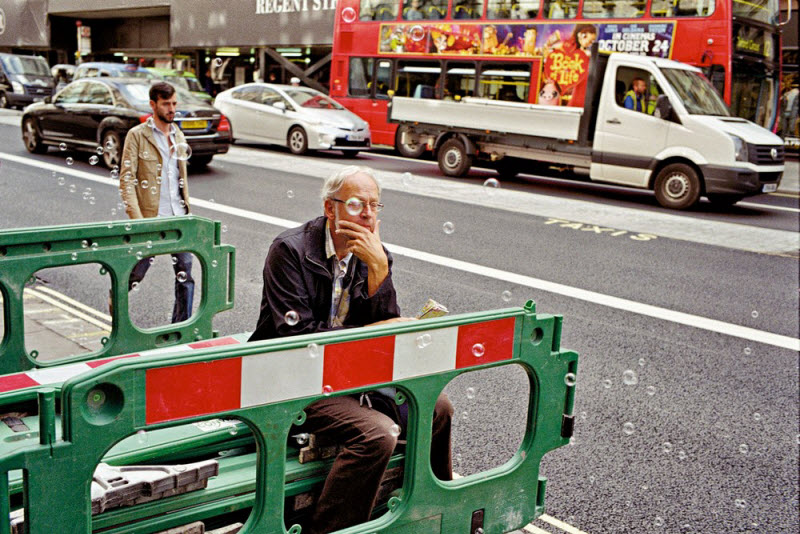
x=406, y=150
x=677, y=186
x=4, y=101
x=297, y=141
x=112, y=147
x=724, y=199
x=30, y=136
x=453, y=158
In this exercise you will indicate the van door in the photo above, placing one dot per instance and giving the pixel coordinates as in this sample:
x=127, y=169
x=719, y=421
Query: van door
x=628, y=137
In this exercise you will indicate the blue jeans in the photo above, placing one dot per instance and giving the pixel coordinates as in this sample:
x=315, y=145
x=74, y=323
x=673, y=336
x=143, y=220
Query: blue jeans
x=184, y=289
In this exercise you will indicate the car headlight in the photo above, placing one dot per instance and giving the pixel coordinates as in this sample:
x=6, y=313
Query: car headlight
x=17, y=87
x=739, y=148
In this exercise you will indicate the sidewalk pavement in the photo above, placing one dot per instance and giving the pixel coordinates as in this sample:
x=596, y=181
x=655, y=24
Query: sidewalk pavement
x=56, y=327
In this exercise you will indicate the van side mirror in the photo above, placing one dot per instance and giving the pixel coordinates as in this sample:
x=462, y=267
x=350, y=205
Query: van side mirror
x=280, y=105
x=664, y=110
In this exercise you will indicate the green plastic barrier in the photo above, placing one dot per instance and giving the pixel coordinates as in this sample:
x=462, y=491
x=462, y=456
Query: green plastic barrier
x=116, y=246
x=266, y=386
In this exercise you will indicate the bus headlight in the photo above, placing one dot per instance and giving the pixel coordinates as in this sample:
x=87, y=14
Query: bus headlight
x=17, y=87
x=739, y=148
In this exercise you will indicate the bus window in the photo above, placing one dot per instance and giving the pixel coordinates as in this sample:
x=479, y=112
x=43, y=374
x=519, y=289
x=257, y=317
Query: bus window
x=435, y=9
x=459, y=80
x=512, y=9
x=760, y=10
x=378, y=10
x=684, y=8
x=360, y=76
x=560, y=9
x=619, y=9
x=467, y=9
x=383, y=77
x=417, y=79
x=505, y=81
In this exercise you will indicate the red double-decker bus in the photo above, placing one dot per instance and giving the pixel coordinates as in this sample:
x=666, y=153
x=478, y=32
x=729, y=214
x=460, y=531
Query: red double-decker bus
x=537, y=50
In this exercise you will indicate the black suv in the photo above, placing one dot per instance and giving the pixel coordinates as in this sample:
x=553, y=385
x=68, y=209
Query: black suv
x=93, y=113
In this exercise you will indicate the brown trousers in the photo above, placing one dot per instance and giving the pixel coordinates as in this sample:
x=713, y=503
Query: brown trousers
x=349, y=493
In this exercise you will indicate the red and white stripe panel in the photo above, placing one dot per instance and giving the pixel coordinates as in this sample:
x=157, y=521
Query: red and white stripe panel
x=206, y=388
x=61, y=373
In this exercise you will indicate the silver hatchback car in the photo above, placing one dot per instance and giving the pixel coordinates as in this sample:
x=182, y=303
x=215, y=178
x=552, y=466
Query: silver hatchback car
x=298, y=117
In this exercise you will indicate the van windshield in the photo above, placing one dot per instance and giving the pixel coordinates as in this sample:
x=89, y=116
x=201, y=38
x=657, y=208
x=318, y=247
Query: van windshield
x=28, y=65
x=695, y=91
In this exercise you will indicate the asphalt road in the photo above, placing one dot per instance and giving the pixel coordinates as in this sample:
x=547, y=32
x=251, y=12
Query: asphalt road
x=713, y=407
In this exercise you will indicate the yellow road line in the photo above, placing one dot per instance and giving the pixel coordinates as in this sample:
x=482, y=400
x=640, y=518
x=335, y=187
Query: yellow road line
x=89, y=334
x=73, y=311
x=43, y=310
x=790, y=195
x=75, y=303
x=560, y=524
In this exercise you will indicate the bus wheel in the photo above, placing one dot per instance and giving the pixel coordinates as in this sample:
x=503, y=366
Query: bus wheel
x=453, y=158
x=724, y=200
x=406, y=150
x=677, y=186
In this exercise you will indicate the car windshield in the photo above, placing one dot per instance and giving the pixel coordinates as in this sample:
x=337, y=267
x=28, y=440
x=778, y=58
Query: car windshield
x=138, y=94
x=177, y=81
x=29, y=65
x=307, y=99
x=695, y=91
x=125, y=73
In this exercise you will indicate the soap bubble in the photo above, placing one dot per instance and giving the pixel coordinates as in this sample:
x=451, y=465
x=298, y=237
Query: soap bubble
x=651, y=390
x=174, y=260
x=301, y=439
x=291, y=317
x=233, y=430
x=114, y=174
x=642, y=362
x=61, y=180
x=423, y=340
x=506, y=296
x=757, y=416
x=448, y=228
x=139, y=254
x=214, y=263
x=327, y=390
x=353, y=206
x=181, y=277
x=62, y=147
x=478, y=350
x=109, y=145
x=144, y=184
x=740, y=503
x=127, y=163
x=135, y=286
x=141, y=437
x=74, y=256
x=743, y=448
x=94, y=160
x=70, y=161
x=95, y=246
x=218, y=62
x=570, y=379
x=395, y=430
x=224, y=228
x=491, y=186
x=290, y=194
x=667, y=447
x=465, y=416
x=406, y=179
x=181, y=151
x=754, y=314
x=128, y=227
x=658, y=522
x=470, y=393
x=681, y=455
x=417, y=33
x=150, y=244
x=348, y=15
x=72, y=188
x=747, y=351
x=607, y=384
x=313, y=350
x=628, y=428
x=629, y=378
x=85, y=244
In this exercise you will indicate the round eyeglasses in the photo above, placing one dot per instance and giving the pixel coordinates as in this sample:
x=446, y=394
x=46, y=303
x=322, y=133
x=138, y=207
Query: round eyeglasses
x=355, y=206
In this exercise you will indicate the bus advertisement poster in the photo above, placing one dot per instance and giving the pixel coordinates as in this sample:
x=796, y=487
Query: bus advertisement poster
x=644, y=39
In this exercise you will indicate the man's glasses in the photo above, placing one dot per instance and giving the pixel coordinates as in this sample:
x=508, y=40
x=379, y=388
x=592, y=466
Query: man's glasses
x=355, y=206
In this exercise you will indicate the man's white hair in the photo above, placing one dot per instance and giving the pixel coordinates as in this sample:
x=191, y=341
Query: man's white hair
x=335, y=181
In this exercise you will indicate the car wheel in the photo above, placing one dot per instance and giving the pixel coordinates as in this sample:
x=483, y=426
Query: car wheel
x=112, y=148
x=677, y=186
x=724, y=200
x=31, y=138
x=200, y=162
x=297, y=141
x=453, y=158
x=3, y=101
x=406, y=150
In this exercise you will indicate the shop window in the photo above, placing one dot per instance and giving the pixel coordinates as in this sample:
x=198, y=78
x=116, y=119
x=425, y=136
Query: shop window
x=505, y=81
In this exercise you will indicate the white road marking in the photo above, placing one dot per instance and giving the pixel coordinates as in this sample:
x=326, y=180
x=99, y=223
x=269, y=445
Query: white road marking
x=65, y=307
x=662, y=224
x=560, y=524
x=765, y=206
x=694, y=321
x=533, y=529
x=75, y=303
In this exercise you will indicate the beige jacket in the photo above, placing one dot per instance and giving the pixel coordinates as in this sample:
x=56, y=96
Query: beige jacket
x=140, y=161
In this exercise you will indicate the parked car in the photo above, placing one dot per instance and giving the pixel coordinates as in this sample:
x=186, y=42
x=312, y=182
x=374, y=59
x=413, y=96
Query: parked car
x=98, y=112
x=185, y=79
x=94, y=69
x=298, y=117
x=23, y=79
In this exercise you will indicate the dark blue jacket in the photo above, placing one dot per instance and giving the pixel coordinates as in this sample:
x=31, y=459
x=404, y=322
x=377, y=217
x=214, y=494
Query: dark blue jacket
x=298, y=276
